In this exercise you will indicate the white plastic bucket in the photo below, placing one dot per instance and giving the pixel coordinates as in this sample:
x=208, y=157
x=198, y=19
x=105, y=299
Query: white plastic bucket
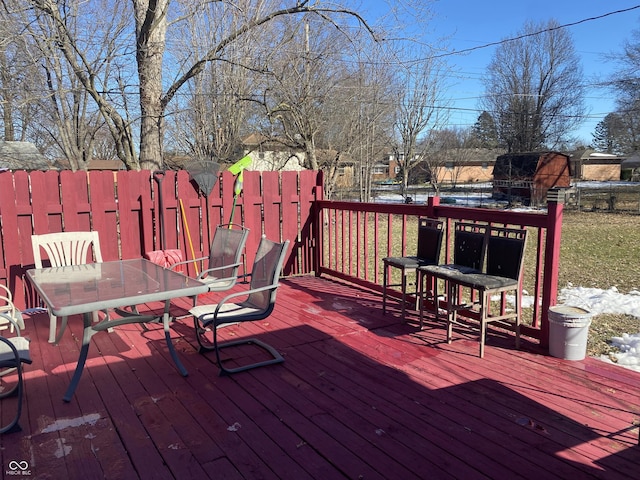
x=568, y=332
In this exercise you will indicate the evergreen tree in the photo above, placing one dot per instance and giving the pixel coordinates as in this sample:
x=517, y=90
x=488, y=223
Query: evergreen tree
x=609, y=135
x=484, y=132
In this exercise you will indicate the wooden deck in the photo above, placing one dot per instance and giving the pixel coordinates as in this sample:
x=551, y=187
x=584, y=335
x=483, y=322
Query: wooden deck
x=361, y=395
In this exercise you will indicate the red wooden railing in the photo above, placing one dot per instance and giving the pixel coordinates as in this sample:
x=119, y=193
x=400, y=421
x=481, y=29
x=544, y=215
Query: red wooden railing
x=346, y=250
x=123, y=206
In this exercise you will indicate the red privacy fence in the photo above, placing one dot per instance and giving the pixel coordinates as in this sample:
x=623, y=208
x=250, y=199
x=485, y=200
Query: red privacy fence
x=123, y=208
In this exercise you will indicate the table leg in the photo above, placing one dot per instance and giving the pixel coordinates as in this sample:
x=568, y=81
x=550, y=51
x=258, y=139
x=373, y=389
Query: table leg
x=166, y=319
x=89, y=331
x=86, y=340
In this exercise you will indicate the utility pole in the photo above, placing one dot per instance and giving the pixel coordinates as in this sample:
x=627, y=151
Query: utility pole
x=306, y=57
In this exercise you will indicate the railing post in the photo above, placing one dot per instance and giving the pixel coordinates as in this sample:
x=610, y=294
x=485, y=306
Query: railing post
x=555, y=206
x=432, y=202
x=318, y=233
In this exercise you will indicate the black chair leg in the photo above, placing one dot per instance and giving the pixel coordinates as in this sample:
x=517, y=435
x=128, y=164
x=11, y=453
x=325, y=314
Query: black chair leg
x=276, y=356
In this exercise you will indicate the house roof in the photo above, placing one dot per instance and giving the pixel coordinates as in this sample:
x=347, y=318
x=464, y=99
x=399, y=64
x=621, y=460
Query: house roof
x=590, y=156
x=94, y=164
x=22, y=156
x=631, y=162
x=254, y=139
x=479, y=155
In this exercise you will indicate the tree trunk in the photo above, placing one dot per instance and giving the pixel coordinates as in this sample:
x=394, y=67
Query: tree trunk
x=310, y=151
x=151, y=29
x=7, y=110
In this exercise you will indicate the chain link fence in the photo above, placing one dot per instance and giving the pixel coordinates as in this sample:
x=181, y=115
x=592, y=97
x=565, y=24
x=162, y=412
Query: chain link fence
x=602, y=197
x=621, y=197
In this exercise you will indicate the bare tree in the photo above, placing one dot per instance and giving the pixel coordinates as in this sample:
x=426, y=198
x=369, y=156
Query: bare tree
x=7, y=93
x=102, y=145
x=449, y=151
x=87, y=47
x=72, y=118
x=623, y=125
x=421, y=107
x=210, y=120
x=534, y=88
x=151, y=29
x=372, y=108
x=314, y=98
x=332, y=102
x=18, y=77
x=304, y=75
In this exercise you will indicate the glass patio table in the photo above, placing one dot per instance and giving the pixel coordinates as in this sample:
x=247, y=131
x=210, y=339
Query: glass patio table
x=84, y=289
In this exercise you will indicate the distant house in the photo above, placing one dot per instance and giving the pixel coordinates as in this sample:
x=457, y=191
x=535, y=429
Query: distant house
x=530, y=175
x=269, y=154
x=467, y=165
x=385, y=171
x=94, y=164
x=22, y=156
x=454, y=166
x=587, y=164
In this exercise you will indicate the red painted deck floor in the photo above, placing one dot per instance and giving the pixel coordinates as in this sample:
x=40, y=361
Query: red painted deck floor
x=360, y=395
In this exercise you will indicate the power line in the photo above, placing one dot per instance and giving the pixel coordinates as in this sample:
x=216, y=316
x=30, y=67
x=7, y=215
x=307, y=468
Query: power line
x=532, y=34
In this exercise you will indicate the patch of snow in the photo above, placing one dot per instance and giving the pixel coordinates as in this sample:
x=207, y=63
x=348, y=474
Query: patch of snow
x=611, y=300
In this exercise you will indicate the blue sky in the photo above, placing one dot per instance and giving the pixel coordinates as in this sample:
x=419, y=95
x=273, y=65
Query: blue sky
x=469, y=24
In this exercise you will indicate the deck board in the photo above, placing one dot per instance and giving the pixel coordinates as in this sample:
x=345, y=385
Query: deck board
x=360, y=395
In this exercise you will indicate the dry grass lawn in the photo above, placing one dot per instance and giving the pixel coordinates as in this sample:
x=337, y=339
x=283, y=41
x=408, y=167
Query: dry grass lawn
x=602, y=250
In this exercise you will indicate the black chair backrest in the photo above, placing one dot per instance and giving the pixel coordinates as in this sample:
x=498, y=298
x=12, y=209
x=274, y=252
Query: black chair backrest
x=469, y=245
x=266, y=270
x=226, y=249
x=430, y=233
x=505, y=252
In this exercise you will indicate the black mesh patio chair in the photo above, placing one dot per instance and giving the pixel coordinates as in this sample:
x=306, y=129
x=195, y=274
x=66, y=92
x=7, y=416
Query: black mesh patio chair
x=430, y=232
x=250, y=305
x=220, y=269
x=14, y=351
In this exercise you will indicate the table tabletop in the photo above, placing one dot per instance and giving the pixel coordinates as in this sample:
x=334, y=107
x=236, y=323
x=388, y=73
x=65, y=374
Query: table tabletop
x=75, y=289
